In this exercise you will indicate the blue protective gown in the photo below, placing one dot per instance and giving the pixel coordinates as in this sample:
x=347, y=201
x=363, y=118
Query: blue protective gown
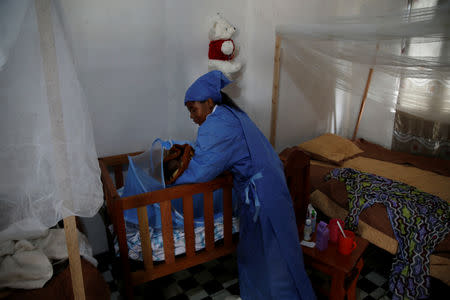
x=270, y=258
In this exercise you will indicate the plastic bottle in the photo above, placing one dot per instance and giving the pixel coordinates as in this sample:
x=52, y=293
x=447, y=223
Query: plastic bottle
x=322, y=236
x=307, y=230
x=313, y=220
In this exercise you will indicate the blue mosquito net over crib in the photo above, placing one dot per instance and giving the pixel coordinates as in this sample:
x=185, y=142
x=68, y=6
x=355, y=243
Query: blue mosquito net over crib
x=145, y=174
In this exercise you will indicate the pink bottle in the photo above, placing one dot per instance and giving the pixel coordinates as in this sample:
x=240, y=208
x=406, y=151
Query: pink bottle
x=334, y=229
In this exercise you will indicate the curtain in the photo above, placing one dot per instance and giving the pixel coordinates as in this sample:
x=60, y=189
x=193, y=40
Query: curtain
x=422, y=119
x=420, y=136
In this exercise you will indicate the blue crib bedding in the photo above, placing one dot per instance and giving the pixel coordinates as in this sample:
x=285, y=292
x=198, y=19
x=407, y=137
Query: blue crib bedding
x=134, y=239
x=145, y=175
x=133, y=235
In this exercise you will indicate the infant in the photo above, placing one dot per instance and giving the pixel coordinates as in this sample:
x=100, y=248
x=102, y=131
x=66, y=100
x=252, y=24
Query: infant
x=171, y=168
x=176, y=160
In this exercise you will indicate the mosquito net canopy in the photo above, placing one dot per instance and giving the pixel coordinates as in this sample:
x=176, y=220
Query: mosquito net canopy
x=407, y=50
x=47, y=153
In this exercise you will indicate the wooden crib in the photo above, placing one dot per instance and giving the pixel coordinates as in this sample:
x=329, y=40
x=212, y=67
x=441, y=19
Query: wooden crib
x=152, y=270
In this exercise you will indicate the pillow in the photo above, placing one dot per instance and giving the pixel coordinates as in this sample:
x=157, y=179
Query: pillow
x=330, y=148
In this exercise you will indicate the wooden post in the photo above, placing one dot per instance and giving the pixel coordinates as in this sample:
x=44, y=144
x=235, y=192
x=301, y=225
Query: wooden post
x=73, y=250
x=363, y=102
x=275, y=89
x=51, y=75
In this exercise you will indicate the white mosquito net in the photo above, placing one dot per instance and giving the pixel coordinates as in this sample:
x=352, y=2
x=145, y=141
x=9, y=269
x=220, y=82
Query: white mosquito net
x=408, y=51
x=49, y=163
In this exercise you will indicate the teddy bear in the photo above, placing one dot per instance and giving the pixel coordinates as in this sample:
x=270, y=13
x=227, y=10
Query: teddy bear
x=221, y=47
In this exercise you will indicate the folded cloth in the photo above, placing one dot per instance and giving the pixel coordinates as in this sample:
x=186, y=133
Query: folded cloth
x=25, y=264
x=25, y=268
x=54, y=246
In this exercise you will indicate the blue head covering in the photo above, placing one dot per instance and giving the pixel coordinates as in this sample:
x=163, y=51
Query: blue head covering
x=207, y=86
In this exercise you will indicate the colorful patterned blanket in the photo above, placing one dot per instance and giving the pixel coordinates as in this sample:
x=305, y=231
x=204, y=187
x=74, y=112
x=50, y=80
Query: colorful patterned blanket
x=419, y=221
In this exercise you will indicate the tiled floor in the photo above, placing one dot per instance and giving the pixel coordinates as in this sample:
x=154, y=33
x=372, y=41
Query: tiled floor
x=212, y=280
x=219, y=278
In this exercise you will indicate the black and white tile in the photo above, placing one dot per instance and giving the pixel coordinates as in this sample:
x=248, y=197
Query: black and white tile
x=218, y=279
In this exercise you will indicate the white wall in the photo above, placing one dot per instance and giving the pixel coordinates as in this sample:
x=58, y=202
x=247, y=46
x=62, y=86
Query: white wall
x=136, y=58
x=187, y=29
x=118, y=48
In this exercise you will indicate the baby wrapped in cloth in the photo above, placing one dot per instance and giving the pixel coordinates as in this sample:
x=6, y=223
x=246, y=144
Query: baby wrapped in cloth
x=176, y=160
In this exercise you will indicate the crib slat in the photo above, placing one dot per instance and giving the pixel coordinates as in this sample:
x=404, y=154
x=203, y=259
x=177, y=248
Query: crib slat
x=208, y=209
x=167, y=232
x=189, y=237
x=145, y=237
x=119, y=227
x=227, y=216
x=108, y=188
x=118, y=176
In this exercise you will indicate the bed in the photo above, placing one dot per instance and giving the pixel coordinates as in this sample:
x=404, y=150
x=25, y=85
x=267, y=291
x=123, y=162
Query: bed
x=167, y=249
x=331, y=198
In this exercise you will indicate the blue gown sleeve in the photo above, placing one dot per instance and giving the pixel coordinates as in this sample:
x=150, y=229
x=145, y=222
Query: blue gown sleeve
x=213, y=150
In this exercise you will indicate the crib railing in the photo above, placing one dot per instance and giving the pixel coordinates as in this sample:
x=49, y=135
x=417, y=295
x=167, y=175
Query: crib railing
x=117, y=205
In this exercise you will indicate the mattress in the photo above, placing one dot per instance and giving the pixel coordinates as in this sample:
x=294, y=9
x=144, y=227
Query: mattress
x=134, y=240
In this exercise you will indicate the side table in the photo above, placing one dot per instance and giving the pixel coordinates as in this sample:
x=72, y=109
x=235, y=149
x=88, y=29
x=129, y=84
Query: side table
x=343, y=269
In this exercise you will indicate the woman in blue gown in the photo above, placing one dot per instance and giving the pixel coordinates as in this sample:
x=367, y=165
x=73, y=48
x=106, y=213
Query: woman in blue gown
x=270, y=259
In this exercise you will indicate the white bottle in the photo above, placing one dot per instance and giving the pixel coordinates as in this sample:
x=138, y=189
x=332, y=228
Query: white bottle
x=313, y=221
x=308, y=230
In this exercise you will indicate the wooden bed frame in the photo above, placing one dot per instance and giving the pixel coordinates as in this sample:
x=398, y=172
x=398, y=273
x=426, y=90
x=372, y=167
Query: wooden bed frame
x=439, y=260
x=116, y=206
x=296, y=169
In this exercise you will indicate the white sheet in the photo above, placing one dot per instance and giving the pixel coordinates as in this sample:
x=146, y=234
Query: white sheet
x=26, y=264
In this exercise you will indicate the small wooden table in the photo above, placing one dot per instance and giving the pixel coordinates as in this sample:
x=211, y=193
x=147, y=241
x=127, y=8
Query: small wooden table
x=343, y=269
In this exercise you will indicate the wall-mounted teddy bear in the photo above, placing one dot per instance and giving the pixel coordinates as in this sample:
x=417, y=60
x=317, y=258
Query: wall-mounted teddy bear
x=221, y=47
